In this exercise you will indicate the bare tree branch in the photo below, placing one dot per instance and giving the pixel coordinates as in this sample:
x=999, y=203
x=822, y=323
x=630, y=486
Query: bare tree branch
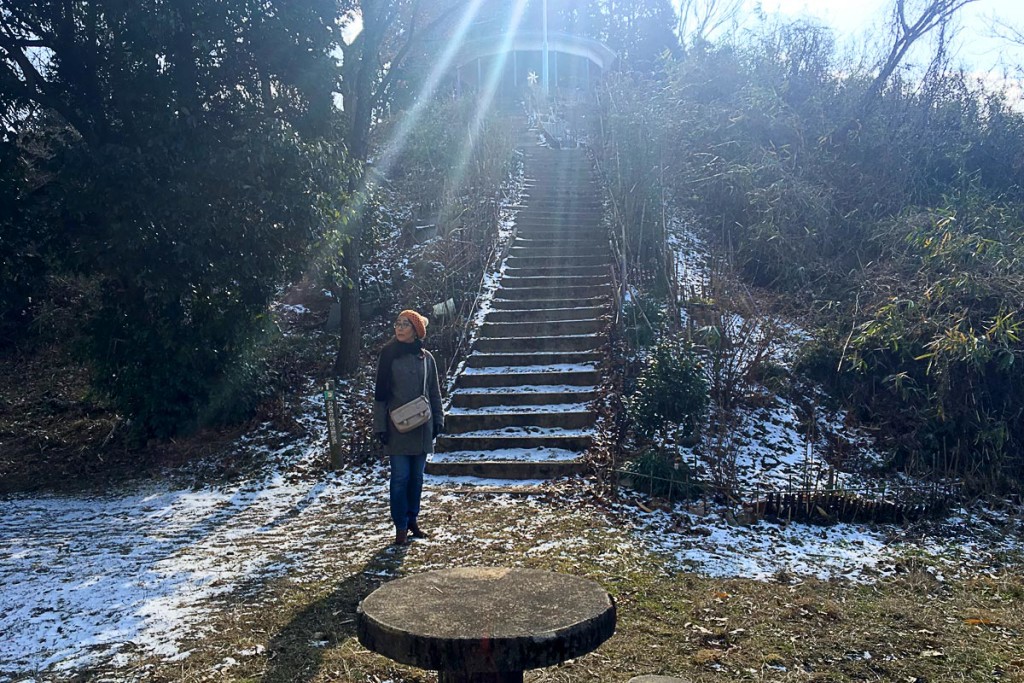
x=699, y=19
x=1006, y=31
x=935, y=12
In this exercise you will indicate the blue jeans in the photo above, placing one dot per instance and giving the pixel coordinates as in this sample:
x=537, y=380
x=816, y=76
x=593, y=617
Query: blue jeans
x=406, y=487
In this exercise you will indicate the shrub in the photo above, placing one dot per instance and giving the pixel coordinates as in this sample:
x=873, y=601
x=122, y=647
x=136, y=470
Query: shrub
x=941, y=358
x=671, y=391
x=894, y=213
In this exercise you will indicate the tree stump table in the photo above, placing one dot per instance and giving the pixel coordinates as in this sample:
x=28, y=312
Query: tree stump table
x=485, y=624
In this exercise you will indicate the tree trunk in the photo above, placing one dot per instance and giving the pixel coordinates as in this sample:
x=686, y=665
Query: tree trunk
x=360, y=58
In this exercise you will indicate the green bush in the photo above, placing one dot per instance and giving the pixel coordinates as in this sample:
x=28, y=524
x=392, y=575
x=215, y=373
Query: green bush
x=940, y=360
x=22, y=267
x=188, y=265
x=672, y=391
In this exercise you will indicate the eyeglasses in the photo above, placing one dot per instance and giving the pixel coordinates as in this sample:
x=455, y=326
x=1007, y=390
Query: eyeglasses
x=402, y=323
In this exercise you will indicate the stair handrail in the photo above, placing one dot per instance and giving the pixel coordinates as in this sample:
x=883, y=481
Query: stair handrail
x=619, y=270
x=497, y=253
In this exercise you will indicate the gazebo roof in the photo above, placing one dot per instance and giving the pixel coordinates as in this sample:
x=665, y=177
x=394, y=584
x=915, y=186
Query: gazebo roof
x=596, y=51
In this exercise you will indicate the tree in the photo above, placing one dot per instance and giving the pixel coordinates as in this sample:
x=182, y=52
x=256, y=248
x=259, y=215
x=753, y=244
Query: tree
x=372, y=62
x=182, y=158
x=640, y=31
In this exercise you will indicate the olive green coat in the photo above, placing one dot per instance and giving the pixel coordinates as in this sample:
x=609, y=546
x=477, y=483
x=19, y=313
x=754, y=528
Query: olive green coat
x=407, y=384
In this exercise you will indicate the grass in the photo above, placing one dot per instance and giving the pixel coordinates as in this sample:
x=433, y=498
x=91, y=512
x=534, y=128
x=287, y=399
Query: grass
x=910, y=627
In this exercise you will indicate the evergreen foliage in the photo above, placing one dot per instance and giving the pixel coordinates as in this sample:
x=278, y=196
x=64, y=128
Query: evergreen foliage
x=671, y=391
x=182, y=156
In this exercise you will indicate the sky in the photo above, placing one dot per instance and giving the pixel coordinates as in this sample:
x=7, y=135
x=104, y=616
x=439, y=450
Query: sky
x=978, y=49
x=856, y=20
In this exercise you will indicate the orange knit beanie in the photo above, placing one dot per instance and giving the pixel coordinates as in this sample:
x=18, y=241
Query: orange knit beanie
x=419, y=322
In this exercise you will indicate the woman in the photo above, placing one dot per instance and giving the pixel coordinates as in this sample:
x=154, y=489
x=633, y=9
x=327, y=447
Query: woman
x=400, y=379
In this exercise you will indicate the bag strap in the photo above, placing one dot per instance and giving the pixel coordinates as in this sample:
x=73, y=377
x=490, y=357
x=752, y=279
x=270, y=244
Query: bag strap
x=424, y=373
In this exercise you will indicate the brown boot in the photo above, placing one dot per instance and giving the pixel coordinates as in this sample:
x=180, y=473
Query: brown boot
x=401, y=536
x=417, y=532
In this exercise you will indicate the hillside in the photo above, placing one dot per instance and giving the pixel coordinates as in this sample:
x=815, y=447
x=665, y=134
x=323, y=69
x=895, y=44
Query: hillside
x=258, y=576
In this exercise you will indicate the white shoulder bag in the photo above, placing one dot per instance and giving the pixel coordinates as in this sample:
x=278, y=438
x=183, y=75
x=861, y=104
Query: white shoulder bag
x=416, y=412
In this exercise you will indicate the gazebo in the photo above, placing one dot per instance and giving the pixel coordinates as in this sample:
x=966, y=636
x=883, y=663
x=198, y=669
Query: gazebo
x=513, y=61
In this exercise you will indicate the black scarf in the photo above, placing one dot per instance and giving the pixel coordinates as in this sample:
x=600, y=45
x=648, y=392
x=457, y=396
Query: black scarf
x=392, y=350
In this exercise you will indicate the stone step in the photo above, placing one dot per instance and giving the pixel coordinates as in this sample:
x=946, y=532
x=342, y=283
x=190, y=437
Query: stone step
x=507, y=439
x=566, y=281
x=580, y=186
x=568, y=236
x=597, y=251
x=529, y=220
x=532, y=199
x=491, y=360
x=560, y=239
x=498, y=304
x=567, y=170
x=559, y=206
x=459, y=423
x=583, y=181
x=561, y=293
x=565, y=179
x=555, y=211
x=543, y=328
x=561, y=229
x=522, y=395
x=512, y=464
x=593, y=232
x=566, y=224
x=514, y=376
x=539, y=271
x=557, y=258
x=556, y=261
x=526, y=223
x=583, y=186
x=561, y=343
x=547, y=314
x=558, y=235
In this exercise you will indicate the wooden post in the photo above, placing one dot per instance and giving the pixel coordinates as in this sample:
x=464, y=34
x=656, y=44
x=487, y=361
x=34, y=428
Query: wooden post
x=333, y=439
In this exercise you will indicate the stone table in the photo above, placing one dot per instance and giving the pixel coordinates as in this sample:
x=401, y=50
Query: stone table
x=485, y=624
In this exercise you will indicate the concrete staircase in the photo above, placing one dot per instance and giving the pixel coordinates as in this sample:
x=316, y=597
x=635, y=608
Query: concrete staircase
x=522, y=407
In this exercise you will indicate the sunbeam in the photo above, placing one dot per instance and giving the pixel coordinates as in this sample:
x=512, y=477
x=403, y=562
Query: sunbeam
x=487, y=91
x=396, y=143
